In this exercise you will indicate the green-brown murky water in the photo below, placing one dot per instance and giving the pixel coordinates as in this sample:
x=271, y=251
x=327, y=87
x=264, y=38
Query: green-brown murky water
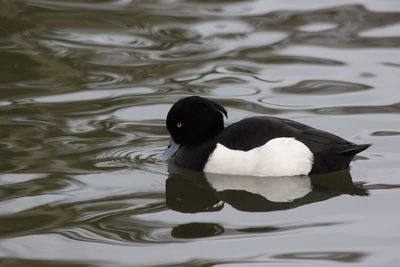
x=84, y=90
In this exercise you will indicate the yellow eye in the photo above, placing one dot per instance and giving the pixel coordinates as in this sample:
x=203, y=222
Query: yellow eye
x=179, y=125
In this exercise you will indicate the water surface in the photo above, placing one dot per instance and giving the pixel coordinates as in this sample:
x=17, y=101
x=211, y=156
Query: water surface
x=84, y=90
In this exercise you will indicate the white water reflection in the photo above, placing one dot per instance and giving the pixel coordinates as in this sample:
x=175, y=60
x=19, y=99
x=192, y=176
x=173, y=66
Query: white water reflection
x=276, y=189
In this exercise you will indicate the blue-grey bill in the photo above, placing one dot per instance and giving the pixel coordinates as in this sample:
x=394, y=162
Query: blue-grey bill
x=171, y=150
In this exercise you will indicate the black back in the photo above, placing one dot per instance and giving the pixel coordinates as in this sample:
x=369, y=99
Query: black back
x=331, y=152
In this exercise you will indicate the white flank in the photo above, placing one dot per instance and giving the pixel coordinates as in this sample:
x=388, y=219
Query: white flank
x=276, y=189
x=282, y=156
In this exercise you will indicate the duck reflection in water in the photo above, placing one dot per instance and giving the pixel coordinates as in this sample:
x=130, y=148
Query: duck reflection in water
x=191, y=191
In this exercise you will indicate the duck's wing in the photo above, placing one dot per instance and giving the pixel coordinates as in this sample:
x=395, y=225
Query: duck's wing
x=331, y=152
x=256, y=131
x=320, y=141
x=253, y=132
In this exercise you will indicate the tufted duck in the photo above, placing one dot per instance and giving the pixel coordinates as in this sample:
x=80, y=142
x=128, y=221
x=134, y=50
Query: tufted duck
x=257, y=146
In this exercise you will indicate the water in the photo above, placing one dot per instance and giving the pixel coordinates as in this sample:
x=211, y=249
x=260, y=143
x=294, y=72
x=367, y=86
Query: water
x=84, y=90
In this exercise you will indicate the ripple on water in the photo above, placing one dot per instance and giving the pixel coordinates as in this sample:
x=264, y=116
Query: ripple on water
x=336, y=256
x=142, y=112
x=101, y=48
x=322, y=87
x=317, y=27
x=347, y=110
x=26, y=224
x=136, y=155
x=229, y=90
x=97, y=94
x=96, y=79
x=66, y=5
x=115, y=219
x=221, y=27
x=90, y=37
x=385, y=133
x=220, y=84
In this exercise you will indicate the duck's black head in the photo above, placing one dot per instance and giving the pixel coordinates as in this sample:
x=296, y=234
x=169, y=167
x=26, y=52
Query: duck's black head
x=195, y=119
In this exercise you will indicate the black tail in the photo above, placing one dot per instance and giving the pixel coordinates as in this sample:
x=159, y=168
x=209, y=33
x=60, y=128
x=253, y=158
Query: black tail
x=354, y=149
x=326, y=161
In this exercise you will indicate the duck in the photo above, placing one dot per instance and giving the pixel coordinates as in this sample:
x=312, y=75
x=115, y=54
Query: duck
x=254, y=146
